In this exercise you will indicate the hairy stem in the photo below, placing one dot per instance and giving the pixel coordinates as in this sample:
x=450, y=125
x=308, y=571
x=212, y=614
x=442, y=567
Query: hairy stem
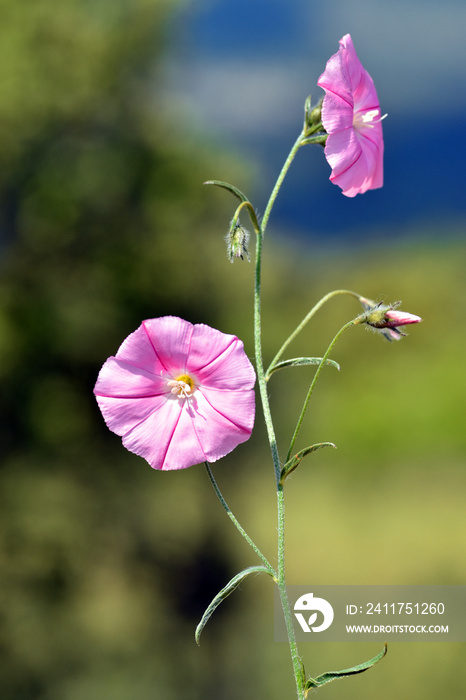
x=281, y=580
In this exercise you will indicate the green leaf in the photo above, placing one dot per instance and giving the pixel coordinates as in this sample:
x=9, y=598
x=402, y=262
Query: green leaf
x=301, y=362
x=296, y=460
x=224, y=593
x=226, y=186
x=334, y=675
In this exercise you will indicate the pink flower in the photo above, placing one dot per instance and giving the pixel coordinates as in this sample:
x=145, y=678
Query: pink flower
x=178, y=394
x=386, y=318
x=352, y=119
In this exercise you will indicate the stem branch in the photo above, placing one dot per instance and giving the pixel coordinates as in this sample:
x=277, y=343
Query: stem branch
x=306, y=320
x=313, y=383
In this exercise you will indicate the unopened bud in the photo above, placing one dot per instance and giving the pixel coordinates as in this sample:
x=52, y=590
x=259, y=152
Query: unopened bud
x=385, y=318
x=237, y=242
x=313, y=117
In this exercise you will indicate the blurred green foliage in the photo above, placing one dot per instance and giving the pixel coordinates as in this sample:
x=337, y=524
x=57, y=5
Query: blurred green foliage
x=106, y=565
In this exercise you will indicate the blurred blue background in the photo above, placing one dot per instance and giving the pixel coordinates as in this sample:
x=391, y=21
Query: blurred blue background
x=241, y=70
x=112, y=115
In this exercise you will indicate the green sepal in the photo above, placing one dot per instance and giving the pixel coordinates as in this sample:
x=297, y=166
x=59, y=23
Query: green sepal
x=320, y=138
x=224, y=593
x=301, y=362
x=226, y=186
x=296, y=460
x=334, y=675
x=307, y=111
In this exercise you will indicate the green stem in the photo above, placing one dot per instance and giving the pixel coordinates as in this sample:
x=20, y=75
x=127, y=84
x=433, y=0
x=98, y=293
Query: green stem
x=313, y=383
x=281, y=581
x=306, y=320
x=261, y=378
x=252, y=215
x=281, y=177
x=285, y=603
x=240, y=529
x=259, y=362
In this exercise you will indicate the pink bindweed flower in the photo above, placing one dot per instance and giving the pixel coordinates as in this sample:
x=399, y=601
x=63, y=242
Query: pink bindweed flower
x=352, y=119
x=386, y=318
x=178, y=394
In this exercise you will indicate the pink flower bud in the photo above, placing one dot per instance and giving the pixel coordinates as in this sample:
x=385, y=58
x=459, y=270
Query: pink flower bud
x=399, y=318
x=385, y=318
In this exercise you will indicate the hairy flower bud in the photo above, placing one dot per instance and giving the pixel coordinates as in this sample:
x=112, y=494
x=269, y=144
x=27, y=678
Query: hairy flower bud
x=385, y=318
x=237, y=240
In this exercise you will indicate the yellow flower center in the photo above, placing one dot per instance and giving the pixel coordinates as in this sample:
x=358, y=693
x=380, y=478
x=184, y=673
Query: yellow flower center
x=182, y=386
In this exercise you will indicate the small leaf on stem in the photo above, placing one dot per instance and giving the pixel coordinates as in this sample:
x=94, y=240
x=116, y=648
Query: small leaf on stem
x=296, y=460
x=334, y=675
x=300, y=362
x=231, y=188
x=224, y=593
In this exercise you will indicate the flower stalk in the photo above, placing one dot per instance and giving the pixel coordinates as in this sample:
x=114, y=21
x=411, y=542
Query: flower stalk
x=235, y=522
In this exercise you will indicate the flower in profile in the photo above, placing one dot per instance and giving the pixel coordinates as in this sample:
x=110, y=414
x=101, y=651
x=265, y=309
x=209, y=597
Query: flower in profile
x=386, y=318
x=352, y=118
x=178, y=394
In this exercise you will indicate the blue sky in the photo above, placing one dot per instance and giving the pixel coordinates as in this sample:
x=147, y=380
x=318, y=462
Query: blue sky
x=243, y=69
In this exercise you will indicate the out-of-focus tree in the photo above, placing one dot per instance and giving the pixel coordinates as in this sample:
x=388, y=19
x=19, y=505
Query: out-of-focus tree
x=103, y=223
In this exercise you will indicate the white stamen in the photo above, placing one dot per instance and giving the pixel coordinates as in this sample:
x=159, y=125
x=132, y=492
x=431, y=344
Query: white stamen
x=367, y=119
x=180, y=388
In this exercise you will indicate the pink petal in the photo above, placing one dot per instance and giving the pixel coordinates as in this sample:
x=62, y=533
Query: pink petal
x=225, y=364
x=336, y=79
x=362, y=86
x=177, y=434
x=237, y=407
x=337, y=114
x=167, y=438
x=138, y=351
x=342, y=151
x=352, y=65
x=400, y=318
x=120, y=378
x=222, y=422
x=170, y=338
x=124, y=414
x=356, y=169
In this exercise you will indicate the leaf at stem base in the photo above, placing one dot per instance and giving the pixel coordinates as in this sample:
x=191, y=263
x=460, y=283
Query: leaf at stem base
x=334, y=675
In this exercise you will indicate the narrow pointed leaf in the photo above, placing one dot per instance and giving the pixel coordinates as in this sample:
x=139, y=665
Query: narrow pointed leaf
x=301, y=362
x=226, y=186
x=224, y=593
x=296, y=460
x=334, y=675
x=307, y=111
